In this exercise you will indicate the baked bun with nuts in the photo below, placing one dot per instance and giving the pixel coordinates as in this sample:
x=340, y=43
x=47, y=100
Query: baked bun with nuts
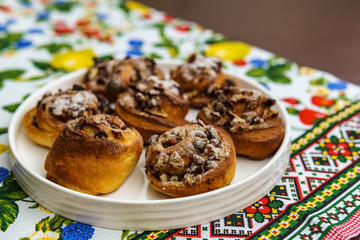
x=198, y=76
x=190, y=159
x=255, y=128
x=44, y=123
x=111, y=77
x=152, y=106
x=94, y=154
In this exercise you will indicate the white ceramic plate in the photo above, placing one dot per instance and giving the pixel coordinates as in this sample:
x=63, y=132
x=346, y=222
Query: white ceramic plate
x=135, y=205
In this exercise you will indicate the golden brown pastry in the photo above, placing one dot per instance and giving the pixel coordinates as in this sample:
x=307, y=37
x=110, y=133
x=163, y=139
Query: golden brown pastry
x=152, y=106
x=44, y=123
x=256, y=129
x=111, y=77
x=93, y=154
x=190, y=159
x=198, y=76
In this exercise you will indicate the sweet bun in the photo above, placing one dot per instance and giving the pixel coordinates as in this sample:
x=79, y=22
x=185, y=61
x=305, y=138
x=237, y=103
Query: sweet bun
x=190, y=159
x=44, y=123
x=198, y=76
x=256, y=129
x=152, y=106
x=111, y=77
x=94, y=154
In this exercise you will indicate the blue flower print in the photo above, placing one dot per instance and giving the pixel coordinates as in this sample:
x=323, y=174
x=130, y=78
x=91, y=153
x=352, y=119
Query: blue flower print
x=4, y=174
x=102, y=16
x=3, y=28
x=44, y=15
x=258, y=63
x=341, y=85
x=77, y=231
x=35, y=31
x=23, y=43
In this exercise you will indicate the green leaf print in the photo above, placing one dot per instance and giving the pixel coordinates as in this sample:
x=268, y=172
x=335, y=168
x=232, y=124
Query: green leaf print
x=13, y=37
x=45, y=66
x=125, y=235
x=342, y=159
x=280, y=79
x=62, y=6
x=334, y=139
x=292, y=111
x=9, y=211
x=11, y=190
x=11, y=74
x=12, y=107
x=256, y=72
x=124, y=8
x=55, y=47
x=43, y=225
x=276, y=204
x=3, y=130
x=259, y=217
x=319, y=82
x=9, y=40
x=274, y=71
x=56, y=222
x=4, y=43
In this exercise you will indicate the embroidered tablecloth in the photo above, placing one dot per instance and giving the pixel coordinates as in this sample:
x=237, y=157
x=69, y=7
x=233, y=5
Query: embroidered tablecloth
x=318, y=196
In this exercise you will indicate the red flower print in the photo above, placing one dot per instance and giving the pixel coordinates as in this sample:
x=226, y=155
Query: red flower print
x=61, y=28
x=240, y=62
x=292, y=101
x=168, y=18
x=338, y=149
x=263, y=209
x=183, y=27
x=322, y=101
x=5, y=8
x=308, y=116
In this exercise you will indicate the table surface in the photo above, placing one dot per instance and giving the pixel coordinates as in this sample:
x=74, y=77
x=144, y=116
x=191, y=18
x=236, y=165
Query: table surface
x=318, y=196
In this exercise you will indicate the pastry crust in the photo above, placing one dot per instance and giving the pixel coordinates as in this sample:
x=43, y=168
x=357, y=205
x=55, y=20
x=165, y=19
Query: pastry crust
x=190, y=160
x=44, y=123
x=247, y=116
x=111, y=77
x=94, y=154
x=152, y=106
x=197, y=77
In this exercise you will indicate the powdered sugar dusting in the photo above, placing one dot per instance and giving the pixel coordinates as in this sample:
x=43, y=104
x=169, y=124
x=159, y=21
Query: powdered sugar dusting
x=200, y=63
x=76, y=103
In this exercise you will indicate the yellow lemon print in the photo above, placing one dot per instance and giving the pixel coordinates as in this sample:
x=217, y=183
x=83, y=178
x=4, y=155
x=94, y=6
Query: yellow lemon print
x=133, y=5
x=229, y=50
x=73, y=60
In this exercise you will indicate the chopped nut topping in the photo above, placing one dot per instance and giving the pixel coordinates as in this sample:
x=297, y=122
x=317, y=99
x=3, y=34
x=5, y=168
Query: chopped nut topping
x=199, y=145
x=202, y=151
x=240, y=110
x=175, y=160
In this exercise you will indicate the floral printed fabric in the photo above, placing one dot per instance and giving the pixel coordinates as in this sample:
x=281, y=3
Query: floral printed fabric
x=42, y=40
